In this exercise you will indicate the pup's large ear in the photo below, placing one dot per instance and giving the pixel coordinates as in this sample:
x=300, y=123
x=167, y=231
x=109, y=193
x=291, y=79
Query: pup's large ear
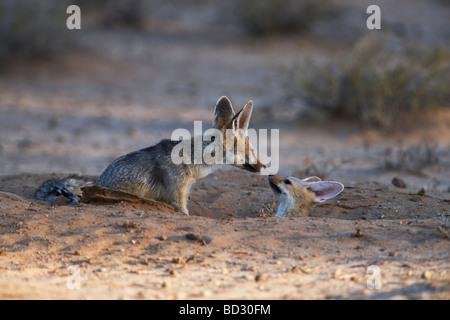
x=312, y=179
x=242, y=118
x=223, y=112
x=324, y=190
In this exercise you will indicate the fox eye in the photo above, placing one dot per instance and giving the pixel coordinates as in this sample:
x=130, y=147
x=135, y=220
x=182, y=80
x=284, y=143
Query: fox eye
x=287, y=181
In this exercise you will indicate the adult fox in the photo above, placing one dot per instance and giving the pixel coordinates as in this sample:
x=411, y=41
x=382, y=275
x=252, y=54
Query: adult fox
x=151, y=172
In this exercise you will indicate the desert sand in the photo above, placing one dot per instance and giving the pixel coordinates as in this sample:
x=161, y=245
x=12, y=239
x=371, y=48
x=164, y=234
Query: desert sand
x=78, y=112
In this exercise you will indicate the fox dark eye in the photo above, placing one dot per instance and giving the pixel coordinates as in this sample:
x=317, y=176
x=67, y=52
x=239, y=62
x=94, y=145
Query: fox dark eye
x=287, y=181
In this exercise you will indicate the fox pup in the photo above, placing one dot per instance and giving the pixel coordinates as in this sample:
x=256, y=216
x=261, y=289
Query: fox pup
x=297, y=196
x=151, y=172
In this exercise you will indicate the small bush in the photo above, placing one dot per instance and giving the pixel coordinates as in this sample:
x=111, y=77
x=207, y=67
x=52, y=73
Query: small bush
x=116, y=13
x=261, y=17
x=413, y=158
x=31, y=28
x=379, y=83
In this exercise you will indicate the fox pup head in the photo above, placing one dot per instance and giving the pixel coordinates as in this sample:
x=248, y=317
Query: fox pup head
x=236, y=146
x=298, y=196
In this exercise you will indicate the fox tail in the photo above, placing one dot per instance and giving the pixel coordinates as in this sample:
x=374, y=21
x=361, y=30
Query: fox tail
x=69, y=187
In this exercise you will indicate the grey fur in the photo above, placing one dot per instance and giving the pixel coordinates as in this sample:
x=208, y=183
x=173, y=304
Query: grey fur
x=151, y=173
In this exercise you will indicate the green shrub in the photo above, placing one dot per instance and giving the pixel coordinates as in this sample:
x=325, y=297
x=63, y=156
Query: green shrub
x=378, y=83
x=262, y=17
x=412, y=158
x=116, y=13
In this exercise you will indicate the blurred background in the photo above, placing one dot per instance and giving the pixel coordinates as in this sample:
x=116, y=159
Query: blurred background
x=349, y=102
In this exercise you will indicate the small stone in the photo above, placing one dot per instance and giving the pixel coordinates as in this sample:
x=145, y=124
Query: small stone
x=179, y=260
x=426, y=275
x=392, y=254
x=358, y=233
x=337, y=273
x=399, y=183
x=421, y=192
x=199, y=238
x=260, y=277
x=173, y=273
x=193, y=237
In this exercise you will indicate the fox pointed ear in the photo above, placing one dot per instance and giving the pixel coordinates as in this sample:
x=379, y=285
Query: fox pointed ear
x=242, y=119
x=223, y=112
x=312, y=179
x=324, y=190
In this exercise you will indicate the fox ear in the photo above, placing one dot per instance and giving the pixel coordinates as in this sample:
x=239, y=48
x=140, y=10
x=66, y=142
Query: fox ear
x=242, y=118
x=223, y=112
x=312, y=179
x=324, y=190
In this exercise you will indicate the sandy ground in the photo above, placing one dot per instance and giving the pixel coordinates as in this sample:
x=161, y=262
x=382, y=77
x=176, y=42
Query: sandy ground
x=231, y=247
x=128, y=91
